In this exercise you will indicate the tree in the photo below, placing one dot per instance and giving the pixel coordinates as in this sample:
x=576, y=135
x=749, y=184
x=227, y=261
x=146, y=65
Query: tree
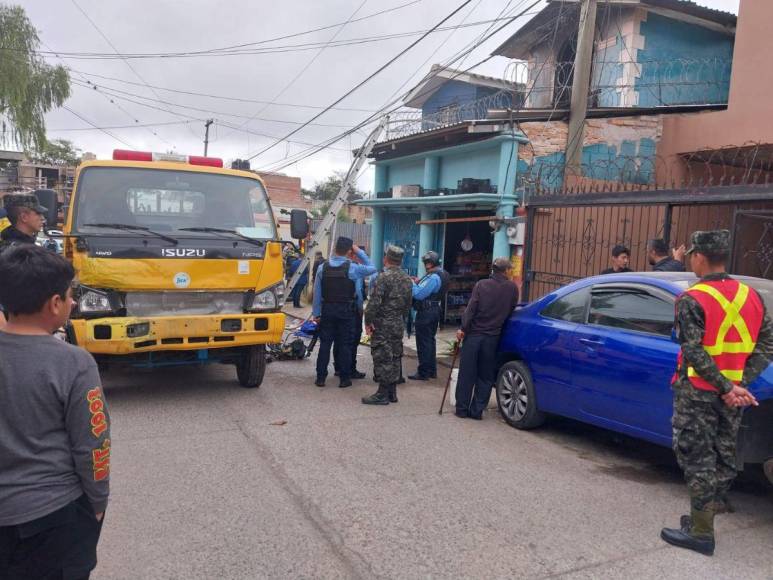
x=56, y=152
x=328, y=189
x=29, y=87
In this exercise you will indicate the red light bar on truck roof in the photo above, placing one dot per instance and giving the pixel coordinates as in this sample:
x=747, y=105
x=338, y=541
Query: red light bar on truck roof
x=126, y=155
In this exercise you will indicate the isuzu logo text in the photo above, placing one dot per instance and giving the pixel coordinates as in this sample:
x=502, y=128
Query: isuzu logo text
x=182, y=253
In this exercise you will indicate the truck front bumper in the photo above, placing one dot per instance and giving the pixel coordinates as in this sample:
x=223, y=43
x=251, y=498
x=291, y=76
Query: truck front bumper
x=120, y=336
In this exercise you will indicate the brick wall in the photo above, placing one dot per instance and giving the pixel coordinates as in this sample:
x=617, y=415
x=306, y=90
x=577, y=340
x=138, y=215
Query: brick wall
x=284, y=190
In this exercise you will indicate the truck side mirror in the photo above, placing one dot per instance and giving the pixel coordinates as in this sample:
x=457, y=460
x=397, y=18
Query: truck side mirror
x=299, y=224
x=49, y=200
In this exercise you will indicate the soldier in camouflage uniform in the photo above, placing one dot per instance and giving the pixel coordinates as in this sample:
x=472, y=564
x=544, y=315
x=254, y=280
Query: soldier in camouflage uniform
x=387, y=307
x=726, y=339
x=27, y=217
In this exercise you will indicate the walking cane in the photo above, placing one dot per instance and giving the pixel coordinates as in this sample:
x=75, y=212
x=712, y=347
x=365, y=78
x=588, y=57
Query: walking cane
x=450, y=374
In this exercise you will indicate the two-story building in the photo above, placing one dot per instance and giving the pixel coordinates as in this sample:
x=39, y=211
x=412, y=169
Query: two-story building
x=451, y=176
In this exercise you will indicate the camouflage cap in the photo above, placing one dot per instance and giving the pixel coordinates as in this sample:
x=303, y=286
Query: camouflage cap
x=710, y=242
x=395, y=254
x=27, y=200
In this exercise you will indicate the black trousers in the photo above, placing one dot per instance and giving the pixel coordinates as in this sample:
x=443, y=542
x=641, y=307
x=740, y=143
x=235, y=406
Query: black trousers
x=336, y=328
x=425, y=328
x=356, y=337
x=477, y=373
x=59, y=546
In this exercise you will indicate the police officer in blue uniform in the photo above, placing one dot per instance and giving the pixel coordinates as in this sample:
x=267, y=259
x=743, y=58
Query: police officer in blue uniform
x=335, y=306
x=428, y=294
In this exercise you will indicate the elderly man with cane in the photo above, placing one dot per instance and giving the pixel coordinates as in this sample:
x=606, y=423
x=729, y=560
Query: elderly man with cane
x=492, y=302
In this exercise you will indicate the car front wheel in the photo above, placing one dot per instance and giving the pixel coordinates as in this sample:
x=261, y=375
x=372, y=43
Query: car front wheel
x=516, y=397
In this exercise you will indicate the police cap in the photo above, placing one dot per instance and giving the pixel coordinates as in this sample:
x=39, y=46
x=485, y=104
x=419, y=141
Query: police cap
x=25, y=200
x=710, y=242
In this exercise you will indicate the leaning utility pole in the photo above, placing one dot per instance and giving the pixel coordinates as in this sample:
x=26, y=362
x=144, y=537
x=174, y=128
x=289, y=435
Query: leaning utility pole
x=207, y=123
x=329, y=221
x=581, y=85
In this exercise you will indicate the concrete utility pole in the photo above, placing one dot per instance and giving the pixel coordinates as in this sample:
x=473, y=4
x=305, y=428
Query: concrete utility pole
x=207, y=123
x=581, y=85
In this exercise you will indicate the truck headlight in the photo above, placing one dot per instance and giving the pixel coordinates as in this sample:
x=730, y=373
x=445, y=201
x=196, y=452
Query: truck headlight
x=269, y=299
x=94, y=301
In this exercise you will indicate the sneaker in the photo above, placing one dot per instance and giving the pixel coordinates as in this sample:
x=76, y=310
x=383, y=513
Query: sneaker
x=320, y=382
x=377, y=398
x=417, y=377
x=345, y=383
x=358, y=375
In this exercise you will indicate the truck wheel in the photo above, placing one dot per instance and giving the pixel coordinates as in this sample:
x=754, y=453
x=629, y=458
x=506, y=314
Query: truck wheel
x=251, y=366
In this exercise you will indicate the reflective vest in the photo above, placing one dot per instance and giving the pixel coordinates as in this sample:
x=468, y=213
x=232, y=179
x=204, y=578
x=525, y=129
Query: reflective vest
x=733, y=317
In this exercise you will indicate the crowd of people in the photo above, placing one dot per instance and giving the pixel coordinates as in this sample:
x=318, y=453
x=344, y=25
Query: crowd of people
x=53, y=497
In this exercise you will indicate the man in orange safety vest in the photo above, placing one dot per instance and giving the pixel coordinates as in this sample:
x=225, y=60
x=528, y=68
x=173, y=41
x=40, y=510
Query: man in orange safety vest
x=726, y=340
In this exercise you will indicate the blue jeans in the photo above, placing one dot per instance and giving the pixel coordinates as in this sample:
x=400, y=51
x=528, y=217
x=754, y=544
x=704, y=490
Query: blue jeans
x=477, y=369
x=336, y=327
x=295, y=294
x=425, y=327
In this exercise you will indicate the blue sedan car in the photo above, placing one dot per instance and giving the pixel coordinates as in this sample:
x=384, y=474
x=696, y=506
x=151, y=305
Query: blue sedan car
x=601, y=350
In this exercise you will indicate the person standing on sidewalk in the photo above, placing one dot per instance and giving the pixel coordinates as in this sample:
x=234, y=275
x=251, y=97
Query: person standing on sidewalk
x=55, y=443
x=428, y=294
x=491, y=303
x=726, y=339
x=334, y=306
x=388, y=305
x=303, y=280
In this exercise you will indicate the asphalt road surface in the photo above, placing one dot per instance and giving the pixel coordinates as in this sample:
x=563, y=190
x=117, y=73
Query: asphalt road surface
x=205, y=486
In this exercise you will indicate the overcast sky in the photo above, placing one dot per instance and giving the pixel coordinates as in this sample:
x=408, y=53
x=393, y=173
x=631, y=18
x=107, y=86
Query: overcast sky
x=145, y=26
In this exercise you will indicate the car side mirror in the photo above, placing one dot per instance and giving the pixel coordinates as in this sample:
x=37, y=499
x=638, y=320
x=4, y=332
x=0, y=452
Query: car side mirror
x=49, y=200
x=299, y=224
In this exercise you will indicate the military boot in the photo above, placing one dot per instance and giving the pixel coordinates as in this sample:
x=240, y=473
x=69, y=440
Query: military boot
x=380, y=397
x=392, y=393
x=722, y=505
x=697, y=536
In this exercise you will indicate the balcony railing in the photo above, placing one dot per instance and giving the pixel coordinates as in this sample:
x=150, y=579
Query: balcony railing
x=618, y=83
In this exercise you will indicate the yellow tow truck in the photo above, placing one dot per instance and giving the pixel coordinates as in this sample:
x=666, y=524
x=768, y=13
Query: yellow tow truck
x=178, y=262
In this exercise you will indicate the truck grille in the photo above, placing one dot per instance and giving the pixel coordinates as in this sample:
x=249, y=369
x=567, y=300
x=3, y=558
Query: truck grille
x=192, y=303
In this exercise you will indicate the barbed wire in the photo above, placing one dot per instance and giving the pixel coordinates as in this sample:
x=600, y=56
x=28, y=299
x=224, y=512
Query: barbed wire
x=747, y=164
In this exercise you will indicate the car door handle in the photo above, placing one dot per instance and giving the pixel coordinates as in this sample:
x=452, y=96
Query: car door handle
x=592, y=341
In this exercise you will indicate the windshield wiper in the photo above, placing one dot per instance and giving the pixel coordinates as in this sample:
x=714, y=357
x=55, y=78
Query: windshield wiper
x=129, y=227
x=223, y=231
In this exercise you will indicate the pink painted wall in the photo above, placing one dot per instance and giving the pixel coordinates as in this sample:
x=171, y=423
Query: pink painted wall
x=749, y=117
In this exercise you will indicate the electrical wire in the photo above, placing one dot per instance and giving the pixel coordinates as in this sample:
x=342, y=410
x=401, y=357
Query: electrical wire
x=364, y=81
x=102, y=129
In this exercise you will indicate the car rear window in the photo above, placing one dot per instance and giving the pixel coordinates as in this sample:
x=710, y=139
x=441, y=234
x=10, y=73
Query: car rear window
x=570, y=308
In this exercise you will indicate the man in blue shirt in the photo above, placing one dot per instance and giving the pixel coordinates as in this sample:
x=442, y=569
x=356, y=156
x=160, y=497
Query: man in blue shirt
x=359, y=288
x=302, y=281
x=335, y=306
x=428, y=295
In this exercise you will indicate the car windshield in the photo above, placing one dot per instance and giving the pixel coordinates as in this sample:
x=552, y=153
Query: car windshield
x=170, y=201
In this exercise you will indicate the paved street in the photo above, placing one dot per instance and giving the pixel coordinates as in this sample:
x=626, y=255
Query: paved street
x=204, y=486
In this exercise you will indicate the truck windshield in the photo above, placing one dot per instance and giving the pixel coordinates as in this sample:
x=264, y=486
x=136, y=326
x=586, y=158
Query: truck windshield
x=171, y=201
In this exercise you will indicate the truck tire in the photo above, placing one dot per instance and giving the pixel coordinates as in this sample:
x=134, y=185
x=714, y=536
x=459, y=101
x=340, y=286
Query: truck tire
x=251, y=366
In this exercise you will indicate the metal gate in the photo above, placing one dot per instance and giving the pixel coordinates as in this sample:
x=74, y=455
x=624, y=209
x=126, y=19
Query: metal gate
x=571, y=236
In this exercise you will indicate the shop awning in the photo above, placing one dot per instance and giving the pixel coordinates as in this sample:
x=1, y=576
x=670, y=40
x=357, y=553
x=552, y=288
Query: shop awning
x=461, y=201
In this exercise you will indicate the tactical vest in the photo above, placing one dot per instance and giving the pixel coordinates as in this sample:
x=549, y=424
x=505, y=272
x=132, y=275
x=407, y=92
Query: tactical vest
x=435, y=298
x=734, y=315
x=337, y=287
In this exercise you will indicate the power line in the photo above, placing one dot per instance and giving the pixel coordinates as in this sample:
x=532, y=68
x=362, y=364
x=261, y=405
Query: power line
x=306, y=66
x=126, y=62
x=111, y=127
x=383, y=110
x=102, y=129
x=363, y=82
x=118, y=92
x=280, y=49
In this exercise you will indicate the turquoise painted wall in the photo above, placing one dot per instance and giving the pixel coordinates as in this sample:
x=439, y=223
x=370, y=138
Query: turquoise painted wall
x=401, y=230
x=406, y=173
x=480, y=164
x=683, y=63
